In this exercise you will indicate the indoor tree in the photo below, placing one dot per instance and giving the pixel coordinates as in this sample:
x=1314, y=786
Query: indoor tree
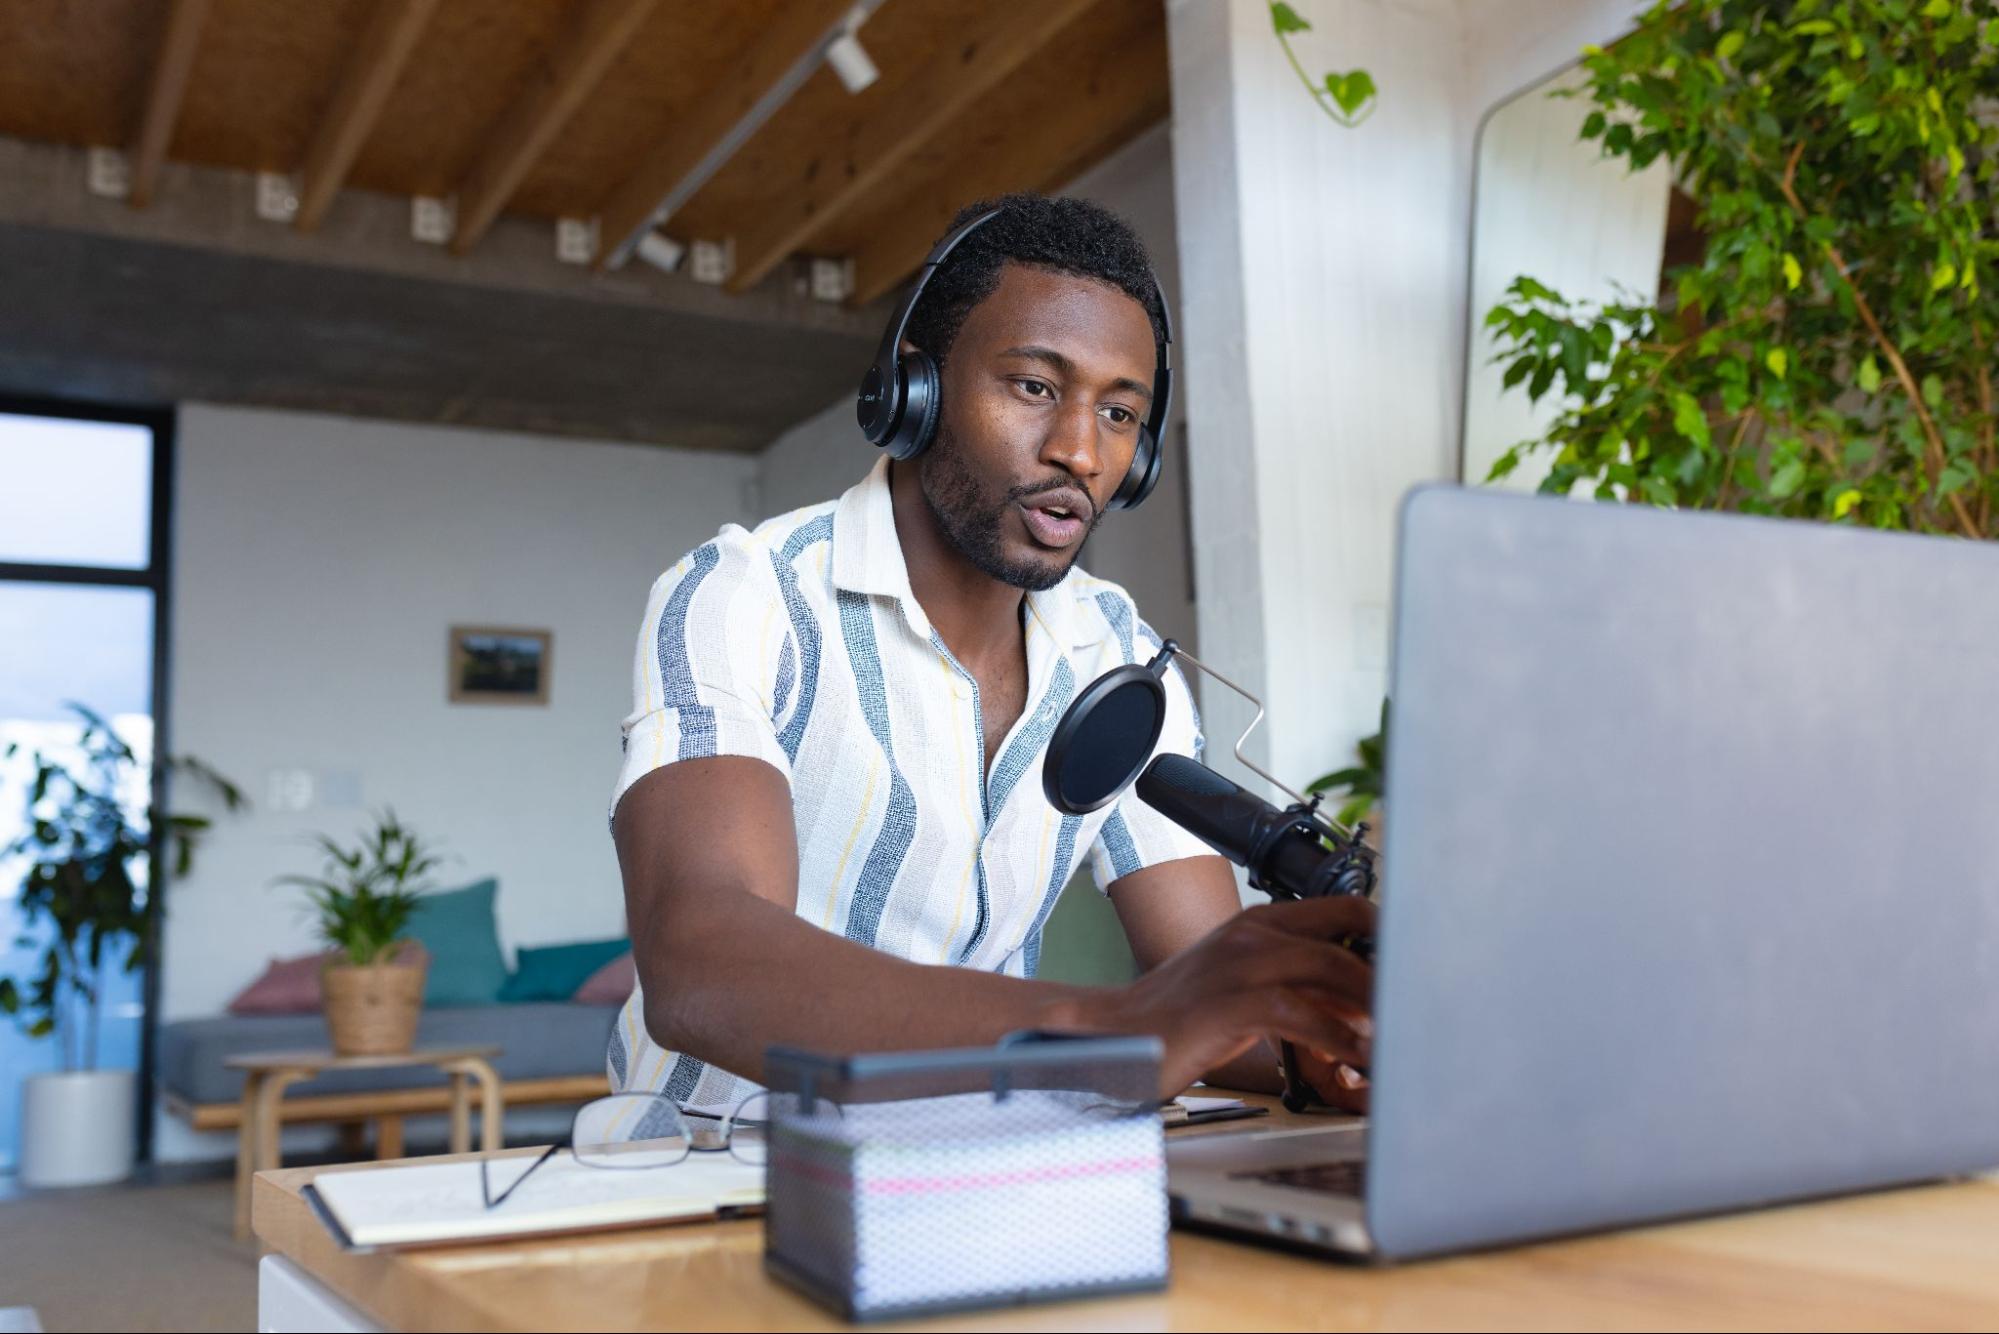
x=1829, y=355
x=81, y=903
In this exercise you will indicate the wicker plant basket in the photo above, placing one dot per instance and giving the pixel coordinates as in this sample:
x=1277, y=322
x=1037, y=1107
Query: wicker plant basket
x=372, y=1010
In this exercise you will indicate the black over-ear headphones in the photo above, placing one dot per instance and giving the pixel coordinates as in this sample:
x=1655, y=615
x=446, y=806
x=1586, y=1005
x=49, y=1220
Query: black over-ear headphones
x=899, y=397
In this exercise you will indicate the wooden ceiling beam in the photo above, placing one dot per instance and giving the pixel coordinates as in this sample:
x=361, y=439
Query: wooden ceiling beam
x=1130, y=95
x=906, y=117
x=800, y=30
x=372, y=69
x=171, y=69
x=594, y=39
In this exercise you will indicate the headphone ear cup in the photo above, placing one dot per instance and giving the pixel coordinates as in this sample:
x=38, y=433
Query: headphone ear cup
x=1140, y=477
x=879, y=405
x=920, y=401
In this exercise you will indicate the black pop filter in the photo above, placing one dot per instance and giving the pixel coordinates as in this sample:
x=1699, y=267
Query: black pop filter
x=1104, y=740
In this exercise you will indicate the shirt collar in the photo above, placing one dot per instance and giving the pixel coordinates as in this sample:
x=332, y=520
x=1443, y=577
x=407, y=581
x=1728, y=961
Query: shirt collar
x=867, y=554
x=867, y=558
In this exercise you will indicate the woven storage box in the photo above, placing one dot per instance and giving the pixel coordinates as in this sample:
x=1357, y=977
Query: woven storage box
x=918, y=1182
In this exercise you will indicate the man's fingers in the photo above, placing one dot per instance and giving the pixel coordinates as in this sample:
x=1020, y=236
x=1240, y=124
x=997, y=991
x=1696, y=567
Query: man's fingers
x=1322, y=919
x=1342, y=1098
x=1280, y=959
x=1307, y=1020
x=1338, y=1083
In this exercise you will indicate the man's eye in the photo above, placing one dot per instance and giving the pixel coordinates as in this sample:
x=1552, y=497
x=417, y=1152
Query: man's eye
x=1034, y=388
x=1120, y=416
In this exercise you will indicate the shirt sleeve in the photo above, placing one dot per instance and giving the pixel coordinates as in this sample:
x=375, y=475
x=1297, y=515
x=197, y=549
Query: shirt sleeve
x=1137, y=836
x=715, y=665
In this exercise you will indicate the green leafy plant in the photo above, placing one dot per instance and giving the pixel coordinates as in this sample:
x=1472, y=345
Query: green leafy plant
x=1362, y=782
x=1348, y=98
x=82, y=844
x=1829, y=356
x=366, y=892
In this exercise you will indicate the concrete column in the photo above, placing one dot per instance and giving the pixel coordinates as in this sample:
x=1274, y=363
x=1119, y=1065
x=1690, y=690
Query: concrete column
x=1324, y=281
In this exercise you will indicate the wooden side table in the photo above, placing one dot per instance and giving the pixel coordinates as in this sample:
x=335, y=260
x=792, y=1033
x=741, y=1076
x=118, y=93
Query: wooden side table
x=267, y=1074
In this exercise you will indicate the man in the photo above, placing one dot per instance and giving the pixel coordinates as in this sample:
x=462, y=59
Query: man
x=829, y=817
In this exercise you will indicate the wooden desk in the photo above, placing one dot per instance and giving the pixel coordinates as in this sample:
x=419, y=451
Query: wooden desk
x=1906, y=1259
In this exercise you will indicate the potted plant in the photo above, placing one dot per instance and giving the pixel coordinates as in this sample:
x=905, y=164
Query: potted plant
x=82, y=902
x=372, y=982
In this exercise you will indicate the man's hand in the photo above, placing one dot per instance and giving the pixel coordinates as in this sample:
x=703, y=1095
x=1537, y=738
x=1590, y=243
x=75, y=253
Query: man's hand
x=1271, y=971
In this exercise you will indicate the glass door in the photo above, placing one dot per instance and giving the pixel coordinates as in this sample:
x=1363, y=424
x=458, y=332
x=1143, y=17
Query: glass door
x=83, y=543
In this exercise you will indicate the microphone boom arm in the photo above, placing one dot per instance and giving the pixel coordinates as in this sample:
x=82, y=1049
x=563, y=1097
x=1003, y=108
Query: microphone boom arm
x=1170, y=650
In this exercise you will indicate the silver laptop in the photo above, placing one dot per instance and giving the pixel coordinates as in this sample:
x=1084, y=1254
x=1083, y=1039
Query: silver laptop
x=1690, y=895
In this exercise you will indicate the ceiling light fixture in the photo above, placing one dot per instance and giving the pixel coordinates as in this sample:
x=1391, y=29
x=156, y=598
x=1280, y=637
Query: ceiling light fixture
x=661, y=251
x=849, y=58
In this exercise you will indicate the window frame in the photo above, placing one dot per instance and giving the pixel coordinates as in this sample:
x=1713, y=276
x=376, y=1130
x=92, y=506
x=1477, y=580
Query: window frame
x=157, y=575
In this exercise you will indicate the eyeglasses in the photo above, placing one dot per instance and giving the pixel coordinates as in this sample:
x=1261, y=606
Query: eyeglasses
x=627, y=1131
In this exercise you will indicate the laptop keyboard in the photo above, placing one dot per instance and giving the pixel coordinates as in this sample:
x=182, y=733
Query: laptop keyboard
x=1346, y=1177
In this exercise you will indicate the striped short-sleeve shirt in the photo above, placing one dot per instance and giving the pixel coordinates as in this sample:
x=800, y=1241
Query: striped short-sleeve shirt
x=801, y=644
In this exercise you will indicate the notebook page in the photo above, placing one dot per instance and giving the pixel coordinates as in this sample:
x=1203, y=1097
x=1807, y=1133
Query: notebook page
x=430, y=1202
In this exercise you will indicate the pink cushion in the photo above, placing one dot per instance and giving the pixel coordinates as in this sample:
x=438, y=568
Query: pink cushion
x=288, y=986
x=610, y=985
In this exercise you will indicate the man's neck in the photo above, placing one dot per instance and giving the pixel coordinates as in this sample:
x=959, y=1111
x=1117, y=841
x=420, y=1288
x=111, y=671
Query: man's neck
x=976, y=615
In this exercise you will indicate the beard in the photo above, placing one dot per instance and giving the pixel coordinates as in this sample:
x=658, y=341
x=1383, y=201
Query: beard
x=970, y=516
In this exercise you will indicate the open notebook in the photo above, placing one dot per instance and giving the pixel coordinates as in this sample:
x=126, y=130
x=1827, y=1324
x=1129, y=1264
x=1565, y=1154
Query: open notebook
x=429, y=1204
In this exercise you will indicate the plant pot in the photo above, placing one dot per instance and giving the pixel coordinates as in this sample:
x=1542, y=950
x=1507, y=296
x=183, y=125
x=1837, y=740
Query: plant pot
x=76, y=1128
x=372, y=1009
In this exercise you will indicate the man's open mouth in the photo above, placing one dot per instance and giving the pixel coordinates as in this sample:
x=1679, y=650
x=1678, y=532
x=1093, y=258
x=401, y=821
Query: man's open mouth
x=1055, y=521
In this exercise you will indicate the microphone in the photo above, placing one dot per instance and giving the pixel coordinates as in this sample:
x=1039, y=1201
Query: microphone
x=1102, y=745
x=1289, y=854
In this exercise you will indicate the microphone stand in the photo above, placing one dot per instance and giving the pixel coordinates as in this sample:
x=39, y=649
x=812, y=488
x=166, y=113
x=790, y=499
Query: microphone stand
x=1351, y=867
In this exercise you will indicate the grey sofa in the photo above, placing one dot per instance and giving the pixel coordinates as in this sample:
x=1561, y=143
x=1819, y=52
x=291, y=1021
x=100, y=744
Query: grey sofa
x=550, y=1052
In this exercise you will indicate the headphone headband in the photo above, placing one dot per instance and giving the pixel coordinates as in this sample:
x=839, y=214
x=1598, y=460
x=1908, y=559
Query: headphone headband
x=898, y=404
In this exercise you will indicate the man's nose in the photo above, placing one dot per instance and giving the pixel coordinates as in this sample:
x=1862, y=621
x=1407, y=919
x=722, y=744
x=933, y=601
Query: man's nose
x=1072, y=442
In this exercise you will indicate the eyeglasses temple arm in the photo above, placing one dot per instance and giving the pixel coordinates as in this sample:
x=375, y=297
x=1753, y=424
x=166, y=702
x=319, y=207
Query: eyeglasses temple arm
x=485, y=1185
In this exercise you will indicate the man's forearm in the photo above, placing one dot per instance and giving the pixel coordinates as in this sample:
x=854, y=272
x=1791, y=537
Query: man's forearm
x=728, y=974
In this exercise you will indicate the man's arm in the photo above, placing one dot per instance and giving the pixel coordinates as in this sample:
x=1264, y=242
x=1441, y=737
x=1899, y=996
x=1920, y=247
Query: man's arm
x=1169, y=907
x=710, y=863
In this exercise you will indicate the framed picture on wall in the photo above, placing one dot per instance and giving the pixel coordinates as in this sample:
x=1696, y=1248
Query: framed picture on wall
x=491, y=665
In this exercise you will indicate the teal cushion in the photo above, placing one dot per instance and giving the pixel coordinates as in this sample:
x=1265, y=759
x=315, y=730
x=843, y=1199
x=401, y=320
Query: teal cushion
x=554, y=972
x=458, y=929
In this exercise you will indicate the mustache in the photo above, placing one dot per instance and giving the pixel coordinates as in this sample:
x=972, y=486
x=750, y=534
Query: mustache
x=1032, y=489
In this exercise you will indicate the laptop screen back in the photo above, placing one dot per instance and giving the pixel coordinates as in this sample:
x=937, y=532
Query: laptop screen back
x=1691, y=888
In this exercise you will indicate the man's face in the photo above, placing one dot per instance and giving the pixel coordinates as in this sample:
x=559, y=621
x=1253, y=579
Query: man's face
x=1044, y=393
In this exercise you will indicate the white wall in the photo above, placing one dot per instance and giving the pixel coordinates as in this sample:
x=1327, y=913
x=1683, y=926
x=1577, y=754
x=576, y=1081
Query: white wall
x=1146, y=550
x=319, y=562
x=818, y=459
x=1326, y=283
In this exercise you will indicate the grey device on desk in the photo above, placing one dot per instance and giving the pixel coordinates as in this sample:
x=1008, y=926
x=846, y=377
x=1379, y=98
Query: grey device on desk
x=1691, y=894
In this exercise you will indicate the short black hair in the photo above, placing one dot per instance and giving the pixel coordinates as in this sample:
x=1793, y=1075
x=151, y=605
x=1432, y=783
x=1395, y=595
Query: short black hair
x=1066, y=235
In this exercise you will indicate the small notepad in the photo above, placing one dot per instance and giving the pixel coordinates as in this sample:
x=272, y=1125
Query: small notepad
x=434, y=1203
